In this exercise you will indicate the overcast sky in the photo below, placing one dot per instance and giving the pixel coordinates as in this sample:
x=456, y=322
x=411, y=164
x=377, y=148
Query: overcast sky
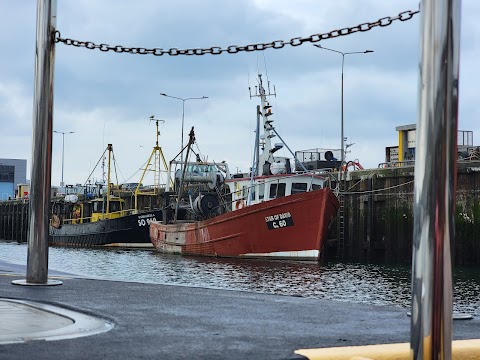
x=105, y=97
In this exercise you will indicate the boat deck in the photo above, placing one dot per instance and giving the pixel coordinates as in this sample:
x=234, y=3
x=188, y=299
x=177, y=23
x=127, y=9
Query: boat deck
x=152, y=321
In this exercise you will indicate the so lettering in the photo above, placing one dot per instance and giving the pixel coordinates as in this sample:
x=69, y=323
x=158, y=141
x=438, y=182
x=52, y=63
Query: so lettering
x=143, y=222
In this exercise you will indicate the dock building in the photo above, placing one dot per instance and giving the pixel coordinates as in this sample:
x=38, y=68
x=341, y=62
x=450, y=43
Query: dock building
x=404, y=152
x=13, y=172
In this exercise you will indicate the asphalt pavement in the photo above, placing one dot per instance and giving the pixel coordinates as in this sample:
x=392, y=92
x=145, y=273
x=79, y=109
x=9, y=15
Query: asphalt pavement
x=101, y=319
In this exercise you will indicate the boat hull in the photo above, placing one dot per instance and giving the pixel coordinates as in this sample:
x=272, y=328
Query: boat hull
x=293, y=227
x=127, y=231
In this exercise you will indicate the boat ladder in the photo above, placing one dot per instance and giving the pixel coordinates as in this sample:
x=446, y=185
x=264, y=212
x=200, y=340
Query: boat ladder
x=222, y=198
x=341, y=227
x=156, y=173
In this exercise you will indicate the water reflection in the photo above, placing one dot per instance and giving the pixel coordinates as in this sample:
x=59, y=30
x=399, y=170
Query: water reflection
x=374, y=284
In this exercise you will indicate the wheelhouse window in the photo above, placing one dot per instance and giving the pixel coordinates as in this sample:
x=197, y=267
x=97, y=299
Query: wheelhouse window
x=261, y=191
x=316, y=187
x=97, y=206
x=253, y=191
x=277, y=190
x=115, y=206
x=299, y=188
x=245, y=192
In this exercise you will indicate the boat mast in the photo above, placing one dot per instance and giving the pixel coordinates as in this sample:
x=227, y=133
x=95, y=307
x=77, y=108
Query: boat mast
x=269, y=131
x=110, y=149
x=254, y=169
x=265, y=112
x=189, y=145
x=156, y=153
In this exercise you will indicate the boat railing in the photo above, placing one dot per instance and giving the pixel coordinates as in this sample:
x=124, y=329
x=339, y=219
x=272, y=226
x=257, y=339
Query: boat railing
x=88, y=219
x=391, y=164
x=151, y=189
x=74, y=221
x=119, y=213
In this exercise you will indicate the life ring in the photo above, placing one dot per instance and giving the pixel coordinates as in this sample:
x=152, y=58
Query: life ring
x=240, y=204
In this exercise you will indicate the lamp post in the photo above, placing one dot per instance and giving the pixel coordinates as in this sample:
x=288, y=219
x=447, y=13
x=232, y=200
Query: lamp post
x=183, y=112
x=342, y=152
x=63, y=148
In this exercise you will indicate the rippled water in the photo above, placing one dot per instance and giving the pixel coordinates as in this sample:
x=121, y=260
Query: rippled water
x=374, y=284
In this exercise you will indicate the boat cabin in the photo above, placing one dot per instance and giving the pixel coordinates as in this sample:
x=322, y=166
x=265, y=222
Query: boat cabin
x=116, y=208
x=264, y=188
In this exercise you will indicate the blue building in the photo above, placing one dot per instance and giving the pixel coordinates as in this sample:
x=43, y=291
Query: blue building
x=12, y=173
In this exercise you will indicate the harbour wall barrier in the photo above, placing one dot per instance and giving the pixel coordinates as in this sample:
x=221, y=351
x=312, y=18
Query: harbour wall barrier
x=378, y=215
x=14, y=217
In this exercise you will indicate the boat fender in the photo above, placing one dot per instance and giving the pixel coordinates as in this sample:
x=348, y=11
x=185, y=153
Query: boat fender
x=240, y=204
x=76, y=215
x=56, y=222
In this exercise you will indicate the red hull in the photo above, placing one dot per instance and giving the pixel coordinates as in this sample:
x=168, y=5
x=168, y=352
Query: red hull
x=292, y=227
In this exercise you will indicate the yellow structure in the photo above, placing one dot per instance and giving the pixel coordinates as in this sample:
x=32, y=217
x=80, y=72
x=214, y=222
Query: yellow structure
x=406, y=142
x=23, y=191
x=461, y=350
x=156, y=155
x=405, y=151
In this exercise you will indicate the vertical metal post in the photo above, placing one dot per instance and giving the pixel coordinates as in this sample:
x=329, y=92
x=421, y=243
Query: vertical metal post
x=183, y=121
x=40, y=181
x=254, y=169
x=342, y=140
x=63, y=155
x=62, y=184
x=435, y=177
x=342, y=135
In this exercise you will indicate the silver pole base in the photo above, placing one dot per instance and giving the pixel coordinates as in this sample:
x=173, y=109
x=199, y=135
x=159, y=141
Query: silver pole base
x=26, y=283
x=455, y=316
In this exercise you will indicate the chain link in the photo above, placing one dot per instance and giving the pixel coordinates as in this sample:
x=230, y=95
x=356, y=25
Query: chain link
x=233, y=49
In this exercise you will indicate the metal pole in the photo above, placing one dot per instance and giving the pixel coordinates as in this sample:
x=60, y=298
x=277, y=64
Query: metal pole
x=183, y=115
x=254, y=170
x=342, y=152
x=183, y=121
x=40, y=183
x=107, y=211
x=62, y=184
x=63, y=152
x=190, y=143
x=435, y=177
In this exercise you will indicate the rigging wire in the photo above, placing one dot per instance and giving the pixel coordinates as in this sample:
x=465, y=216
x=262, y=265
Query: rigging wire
x=265, y=65
x=138, y=170
x=115, y=169
x=101, y=157
x=377, y=190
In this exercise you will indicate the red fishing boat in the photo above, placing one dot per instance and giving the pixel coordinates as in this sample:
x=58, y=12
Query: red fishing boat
x=272, y=212
x=292, y=227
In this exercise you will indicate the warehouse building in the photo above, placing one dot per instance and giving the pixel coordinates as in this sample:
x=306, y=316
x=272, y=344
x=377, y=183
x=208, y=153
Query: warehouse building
x=13, y=172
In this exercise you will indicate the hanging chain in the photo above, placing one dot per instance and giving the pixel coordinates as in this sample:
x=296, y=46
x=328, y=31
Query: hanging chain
x=233, y=49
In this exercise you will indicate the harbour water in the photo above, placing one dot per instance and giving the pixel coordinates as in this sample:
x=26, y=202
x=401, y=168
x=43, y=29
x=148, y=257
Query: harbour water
x=363, y=283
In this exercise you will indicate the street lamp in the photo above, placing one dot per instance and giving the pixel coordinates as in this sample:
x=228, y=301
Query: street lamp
x=63, y=148
x=183, y=112
x=342, y=152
